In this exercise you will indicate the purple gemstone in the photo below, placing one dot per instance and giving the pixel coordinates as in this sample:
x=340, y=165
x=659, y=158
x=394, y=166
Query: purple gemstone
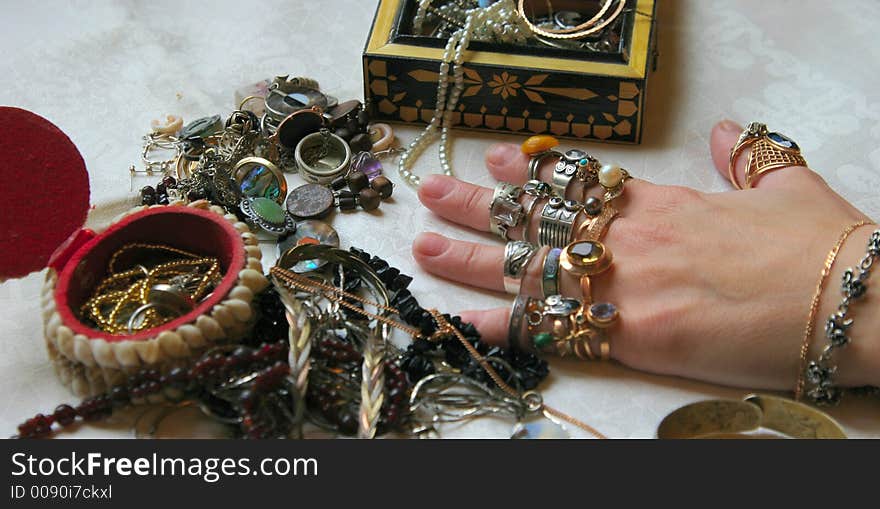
x=367, y=163
x=587, y=250
x=603, y=311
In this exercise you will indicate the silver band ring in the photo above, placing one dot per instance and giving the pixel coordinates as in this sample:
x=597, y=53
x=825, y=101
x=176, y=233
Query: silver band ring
x=515, y=328
x=537, y=159
x=504, y=210
x=517, y=255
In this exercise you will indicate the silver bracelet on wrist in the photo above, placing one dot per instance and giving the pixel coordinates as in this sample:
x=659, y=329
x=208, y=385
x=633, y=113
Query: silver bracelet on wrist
x=820, y=372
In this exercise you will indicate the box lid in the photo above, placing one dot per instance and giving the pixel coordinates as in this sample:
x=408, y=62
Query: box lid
x=45, y=192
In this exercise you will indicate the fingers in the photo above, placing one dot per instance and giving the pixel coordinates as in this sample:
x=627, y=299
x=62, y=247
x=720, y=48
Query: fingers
x=481, y=265
x=468, y=205
x=465, y=262
x=492, y=324
x=725, y=135
x=507, y=163
x=457, y=201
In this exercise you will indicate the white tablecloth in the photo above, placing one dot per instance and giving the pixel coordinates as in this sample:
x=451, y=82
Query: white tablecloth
x=102, y=70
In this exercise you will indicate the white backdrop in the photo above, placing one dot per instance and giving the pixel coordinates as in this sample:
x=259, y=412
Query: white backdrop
x=102, y=70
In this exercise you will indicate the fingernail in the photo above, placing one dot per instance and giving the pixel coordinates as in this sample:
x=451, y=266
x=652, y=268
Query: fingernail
x=436, y=186
x=431, y=244
x=730, y=126
x=500, y=153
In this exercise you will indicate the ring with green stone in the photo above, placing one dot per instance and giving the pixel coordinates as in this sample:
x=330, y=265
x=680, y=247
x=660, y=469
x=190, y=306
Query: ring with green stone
x=267, y=215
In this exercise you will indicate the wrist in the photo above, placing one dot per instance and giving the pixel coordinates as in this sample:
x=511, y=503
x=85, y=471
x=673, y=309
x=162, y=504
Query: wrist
x=858, y=363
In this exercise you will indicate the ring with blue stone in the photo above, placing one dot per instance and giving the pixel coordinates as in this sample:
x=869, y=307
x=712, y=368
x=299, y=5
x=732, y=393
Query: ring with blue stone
x=768, y=151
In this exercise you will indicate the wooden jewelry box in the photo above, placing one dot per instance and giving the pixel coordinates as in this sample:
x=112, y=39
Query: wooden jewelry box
x=512, y=88
x=86, y=359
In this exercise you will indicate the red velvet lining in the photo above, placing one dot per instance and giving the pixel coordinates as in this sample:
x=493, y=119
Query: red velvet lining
x=44, y=191
x=187, y=228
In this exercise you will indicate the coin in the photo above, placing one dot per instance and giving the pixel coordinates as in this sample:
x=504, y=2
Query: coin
x=310, y=200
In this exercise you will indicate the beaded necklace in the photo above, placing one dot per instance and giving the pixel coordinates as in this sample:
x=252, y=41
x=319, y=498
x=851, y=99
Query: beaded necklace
x=497, y=21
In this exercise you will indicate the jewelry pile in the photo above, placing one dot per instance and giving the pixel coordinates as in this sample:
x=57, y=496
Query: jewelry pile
x=240, y=163
x=313, y=344
x=319, y=353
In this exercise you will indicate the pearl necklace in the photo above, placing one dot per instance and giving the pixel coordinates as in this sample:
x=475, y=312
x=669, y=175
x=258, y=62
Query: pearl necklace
x=502, y=24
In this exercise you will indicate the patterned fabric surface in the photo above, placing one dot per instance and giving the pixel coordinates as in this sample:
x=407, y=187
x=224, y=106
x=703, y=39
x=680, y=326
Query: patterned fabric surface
x=102, y=70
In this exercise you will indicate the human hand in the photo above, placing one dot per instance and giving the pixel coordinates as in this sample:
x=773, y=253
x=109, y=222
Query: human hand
x=710, y=286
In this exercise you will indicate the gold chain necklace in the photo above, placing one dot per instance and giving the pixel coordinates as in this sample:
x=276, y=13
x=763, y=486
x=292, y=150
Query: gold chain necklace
x=121, y=294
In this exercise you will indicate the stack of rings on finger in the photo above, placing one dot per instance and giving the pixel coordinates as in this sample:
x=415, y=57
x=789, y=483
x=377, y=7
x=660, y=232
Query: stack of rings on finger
x=557, y=324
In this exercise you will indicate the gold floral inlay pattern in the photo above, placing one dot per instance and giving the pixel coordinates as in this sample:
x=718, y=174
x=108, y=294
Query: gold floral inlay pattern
x=506, y=84
x=526, y=105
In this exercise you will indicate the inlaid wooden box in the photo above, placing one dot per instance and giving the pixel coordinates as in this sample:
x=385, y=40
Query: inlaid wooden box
x=516, y=89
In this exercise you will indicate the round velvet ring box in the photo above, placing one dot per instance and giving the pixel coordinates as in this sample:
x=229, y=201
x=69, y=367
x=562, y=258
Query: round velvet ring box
x=89, y=360
x=47, y=231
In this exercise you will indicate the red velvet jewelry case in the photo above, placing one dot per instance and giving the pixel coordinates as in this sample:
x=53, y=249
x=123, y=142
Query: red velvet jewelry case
x=45, y=229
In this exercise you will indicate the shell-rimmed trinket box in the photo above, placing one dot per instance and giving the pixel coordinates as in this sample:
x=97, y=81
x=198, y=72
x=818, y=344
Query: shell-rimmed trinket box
x=590, y=95
x=88, y=360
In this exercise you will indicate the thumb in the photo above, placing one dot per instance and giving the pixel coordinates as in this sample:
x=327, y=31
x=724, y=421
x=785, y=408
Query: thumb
x=724, y=136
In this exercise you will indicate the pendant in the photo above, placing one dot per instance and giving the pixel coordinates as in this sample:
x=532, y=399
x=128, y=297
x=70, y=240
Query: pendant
x=540, y=428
